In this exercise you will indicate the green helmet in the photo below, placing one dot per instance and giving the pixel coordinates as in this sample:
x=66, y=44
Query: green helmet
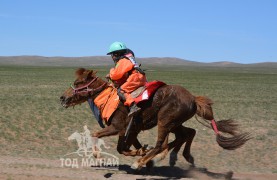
x=116, y=46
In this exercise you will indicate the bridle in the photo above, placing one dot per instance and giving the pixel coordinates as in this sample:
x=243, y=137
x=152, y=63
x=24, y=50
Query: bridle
x=85, y=90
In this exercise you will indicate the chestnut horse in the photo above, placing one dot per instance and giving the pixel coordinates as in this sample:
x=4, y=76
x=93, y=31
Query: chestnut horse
x=169, y=108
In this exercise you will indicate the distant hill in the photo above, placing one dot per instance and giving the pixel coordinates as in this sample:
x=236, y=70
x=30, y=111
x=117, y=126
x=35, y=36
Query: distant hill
x=55, y=61
x=106, y=61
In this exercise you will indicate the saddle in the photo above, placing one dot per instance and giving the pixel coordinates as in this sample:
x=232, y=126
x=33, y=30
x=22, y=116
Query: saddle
x=147, y=91
x=138, y=92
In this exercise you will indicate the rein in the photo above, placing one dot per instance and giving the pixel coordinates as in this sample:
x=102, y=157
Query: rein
x=85, y=89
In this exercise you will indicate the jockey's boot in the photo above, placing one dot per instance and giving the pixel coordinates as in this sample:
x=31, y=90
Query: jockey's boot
x=134, y=109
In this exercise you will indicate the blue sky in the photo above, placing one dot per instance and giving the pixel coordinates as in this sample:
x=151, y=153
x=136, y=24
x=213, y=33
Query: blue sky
x=242, y=31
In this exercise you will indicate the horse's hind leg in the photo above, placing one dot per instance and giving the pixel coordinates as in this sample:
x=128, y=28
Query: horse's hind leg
x=178, y=141
x=182, y=135
x=186, y=153
x=187, y=135
x=166, y=147
x=163, y=132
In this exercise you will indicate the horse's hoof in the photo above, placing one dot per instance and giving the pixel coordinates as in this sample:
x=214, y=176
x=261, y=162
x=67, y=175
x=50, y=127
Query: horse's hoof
x=136, y=166
x=147, y=148
x=150, y=164
x=190, y=159
x=172, y=158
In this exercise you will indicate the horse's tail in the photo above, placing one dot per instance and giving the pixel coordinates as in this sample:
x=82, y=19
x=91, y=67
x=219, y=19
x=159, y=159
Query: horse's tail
x=204, y=110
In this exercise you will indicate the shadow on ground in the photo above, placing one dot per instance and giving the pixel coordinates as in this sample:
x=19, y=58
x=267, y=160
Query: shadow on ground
x=166, y=172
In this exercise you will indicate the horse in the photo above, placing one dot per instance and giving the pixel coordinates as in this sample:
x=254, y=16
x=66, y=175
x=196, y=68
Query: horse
x=85, y=144
x=168, y=108
x=81, y=145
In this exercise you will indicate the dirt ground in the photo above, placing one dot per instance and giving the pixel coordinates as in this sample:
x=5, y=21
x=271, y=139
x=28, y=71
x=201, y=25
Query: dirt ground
x=44, y=169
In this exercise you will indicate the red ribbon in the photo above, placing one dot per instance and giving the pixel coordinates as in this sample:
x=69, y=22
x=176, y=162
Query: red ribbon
x=214, y=127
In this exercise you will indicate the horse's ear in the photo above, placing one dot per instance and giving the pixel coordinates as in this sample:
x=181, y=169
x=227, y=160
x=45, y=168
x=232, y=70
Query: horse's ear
x=90, y=73
x=80, y=71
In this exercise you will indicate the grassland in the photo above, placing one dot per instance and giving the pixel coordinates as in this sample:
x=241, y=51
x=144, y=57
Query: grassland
x=33, y=123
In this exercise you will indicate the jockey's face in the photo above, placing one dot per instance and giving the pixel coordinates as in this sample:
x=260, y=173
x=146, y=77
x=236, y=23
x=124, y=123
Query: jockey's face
x=115, y=57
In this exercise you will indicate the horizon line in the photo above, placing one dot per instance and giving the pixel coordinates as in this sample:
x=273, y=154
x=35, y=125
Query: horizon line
x=223, y=61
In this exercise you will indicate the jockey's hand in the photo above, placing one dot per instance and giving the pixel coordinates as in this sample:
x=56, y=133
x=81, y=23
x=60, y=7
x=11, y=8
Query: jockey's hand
x=115, y=85
x=108, y=77
x=112, y=84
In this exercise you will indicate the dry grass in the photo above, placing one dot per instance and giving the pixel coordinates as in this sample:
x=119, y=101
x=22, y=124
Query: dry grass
x=33, y=124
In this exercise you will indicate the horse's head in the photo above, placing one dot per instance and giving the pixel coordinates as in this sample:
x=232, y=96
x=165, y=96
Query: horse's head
x=73, y=136
x=86, y=85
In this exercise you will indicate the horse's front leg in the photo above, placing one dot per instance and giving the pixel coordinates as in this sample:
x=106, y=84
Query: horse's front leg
x=138, y=152
x=107, y=131
x=123, y=146
x=137, y=144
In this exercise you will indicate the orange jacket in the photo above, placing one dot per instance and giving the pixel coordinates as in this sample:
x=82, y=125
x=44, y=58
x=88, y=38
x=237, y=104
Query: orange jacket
x=121, y=69
x=125, y=76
